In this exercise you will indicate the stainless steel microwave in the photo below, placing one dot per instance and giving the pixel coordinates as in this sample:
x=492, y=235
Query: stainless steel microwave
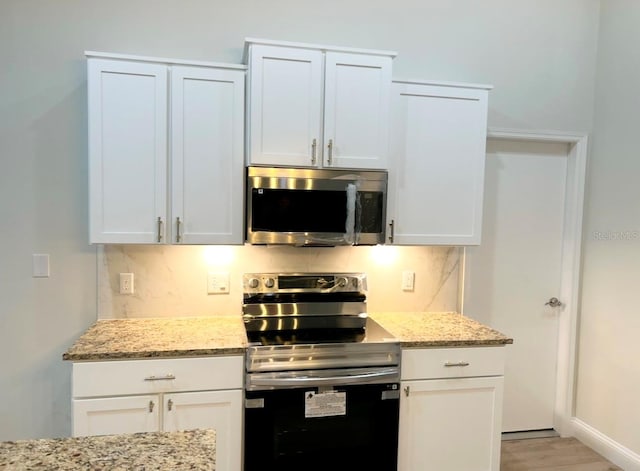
x=315, y=207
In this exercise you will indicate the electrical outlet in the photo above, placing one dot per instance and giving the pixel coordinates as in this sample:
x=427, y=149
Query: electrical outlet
x=218, y=282
x=408, y=280
x=126, y=283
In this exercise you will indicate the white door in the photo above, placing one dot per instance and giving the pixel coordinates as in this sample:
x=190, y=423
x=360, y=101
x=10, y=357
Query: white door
x=517, y=269
x=285, y=106
x=207, y=155
x=436, y=171
x=114, y=415
x=219, y=410
x=450, y=425
x=356, y=114
x=127, y=151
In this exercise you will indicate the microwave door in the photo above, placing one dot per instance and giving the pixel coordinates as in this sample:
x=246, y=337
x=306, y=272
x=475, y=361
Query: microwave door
x=298, y=217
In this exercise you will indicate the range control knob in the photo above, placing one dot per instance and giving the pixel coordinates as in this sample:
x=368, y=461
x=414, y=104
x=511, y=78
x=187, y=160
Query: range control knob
x=253, y=283
x=269, y=282
x=341, y=282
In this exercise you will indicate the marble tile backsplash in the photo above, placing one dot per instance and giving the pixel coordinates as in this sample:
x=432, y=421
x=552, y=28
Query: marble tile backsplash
x=171, y=281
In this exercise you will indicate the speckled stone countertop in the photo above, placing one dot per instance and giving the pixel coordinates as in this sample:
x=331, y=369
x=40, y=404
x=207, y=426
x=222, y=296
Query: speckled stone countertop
x=438, y=329
x=113, y=339
x=176, y=451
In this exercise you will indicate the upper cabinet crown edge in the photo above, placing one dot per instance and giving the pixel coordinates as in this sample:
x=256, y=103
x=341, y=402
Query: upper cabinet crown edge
x=320, y=47
x=439, y=83
x=163, y=60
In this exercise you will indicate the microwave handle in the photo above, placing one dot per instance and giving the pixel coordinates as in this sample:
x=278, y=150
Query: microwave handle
x=350, y=223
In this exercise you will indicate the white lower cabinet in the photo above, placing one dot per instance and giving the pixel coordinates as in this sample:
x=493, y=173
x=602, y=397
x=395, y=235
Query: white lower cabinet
x=113, y=397
x=451, y=409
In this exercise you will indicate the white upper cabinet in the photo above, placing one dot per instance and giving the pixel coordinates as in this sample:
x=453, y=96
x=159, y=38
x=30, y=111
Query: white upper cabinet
x=436, y=172
x=166, y=147
x=207, y=155
x=127, y=150
x=285, y=103
x=312, y=106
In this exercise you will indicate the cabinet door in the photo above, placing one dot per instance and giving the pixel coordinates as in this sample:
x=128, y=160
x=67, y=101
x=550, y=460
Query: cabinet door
x=207, y=155
x=450, y=424
x=219, y=410
x=285, y=106
x=436, y=176
x=356, y=114
x=105, y=416
x=127, y=151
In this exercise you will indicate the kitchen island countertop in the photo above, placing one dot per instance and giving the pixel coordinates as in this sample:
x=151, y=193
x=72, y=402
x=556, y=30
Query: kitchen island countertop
x=185, y=450
x=438, y=329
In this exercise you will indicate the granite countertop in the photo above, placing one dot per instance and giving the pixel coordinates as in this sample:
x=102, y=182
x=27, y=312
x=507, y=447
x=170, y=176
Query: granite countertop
x=185, y=450
x=113, y=339
x=438, y=329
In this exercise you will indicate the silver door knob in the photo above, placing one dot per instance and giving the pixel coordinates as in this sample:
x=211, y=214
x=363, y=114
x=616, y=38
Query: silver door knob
x=553, y=302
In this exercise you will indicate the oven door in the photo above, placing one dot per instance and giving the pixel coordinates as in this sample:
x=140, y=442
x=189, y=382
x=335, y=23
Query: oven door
x=340, y=428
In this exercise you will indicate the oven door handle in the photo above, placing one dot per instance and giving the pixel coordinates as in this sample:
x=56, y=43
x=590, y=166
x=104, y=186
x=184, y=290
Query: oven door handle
x=339, y=380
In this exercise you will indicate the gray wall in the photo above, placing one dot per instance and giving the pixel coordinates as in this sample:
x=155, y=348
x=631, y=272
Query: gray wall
x=609, y=371
x=539, y=55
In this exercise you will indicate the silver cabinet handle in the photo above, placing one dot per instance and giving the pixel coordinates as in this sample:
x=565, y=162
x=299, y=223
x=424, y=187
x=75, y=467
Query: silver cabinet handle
x=151, y=405
x=159, y=229
x=160, y=378
x=169, y=404
x=407, y=390
x=456, y=363
x=391, y=228
x=314, y=146
x=178, y=238
x=330, y=155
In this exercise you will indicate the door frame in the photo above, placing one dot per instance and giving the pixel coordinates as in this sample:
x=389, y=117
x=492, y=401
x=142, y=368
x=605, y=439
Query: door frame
x=570, y=275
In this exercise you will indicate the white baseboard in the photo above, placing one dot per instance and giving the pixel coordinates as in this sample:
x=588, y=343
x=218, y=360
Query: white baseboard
x=611, y=450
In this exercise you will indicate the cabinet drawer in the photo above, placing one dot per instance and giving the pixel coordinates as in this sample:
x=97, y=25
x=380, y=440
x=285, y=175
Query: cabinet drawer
x=107, y=378
x=429, y=363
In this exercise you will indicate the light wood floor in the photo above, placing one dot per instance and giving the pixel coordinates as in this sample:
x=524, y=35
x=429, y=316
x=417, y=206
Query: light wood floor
x=551, y=454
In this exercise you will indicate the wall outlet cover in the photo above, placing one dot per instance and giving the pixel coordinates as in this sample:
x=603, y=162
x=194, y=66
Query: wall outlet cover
x=126, y=283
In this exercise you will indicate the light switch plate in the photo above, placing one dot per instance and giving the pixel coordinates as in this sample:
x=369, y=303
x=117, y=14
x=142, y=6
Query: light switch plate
x=408, y=280
x=218, y=282
x=40, y=265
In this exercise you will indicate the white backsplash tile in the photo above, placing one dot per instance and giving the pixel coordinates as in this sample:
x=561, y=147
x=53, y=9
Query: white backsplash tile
x=171, y=281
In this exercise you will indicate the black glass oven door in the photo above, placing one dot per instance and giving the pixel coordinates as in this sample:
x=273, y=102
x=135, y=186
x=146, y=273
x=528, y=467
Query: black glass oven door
x=358, y=430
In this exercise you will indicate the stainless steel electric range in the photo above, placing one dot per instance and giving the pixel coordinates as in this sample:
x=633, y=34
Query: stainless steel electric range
x=322, y=378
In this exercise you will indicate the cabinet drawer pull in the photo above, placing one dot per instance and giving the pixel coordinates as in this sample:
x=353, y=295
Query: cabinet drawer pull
x=151, y=404
x=457, y=363
x=178, y=237
x=159, y=229
x=169, y=405
x=160, y=378
x=330, y=146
